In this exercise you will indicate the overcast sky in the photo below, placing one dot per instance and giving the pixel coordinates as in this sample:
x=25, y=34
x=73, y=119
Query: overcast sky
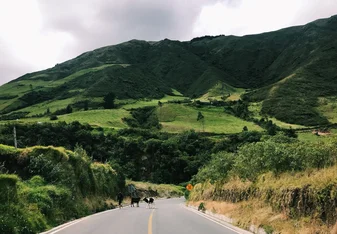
x=37, y=34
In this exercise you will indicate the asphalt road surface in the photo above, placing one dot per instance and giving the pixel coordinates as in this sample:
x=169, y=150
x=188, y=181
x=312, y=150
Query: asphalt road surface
x=168, y=217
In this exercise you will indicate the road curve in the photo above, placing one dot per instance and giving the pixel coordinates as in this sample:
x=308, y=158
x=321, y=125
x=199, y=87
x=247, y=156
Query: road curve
x=168, y=217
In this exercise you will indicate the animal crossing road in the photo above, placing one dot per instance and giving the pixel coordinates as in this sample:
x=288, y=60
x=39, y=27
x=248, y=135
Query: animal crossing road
x=168, y=217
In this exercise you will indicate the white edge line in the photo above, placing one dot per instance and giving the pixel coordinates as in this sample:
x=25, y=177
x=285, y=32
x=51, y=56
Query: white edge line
x=66, y=225
x=58, y=227
x=213, y=220
x=77, y=221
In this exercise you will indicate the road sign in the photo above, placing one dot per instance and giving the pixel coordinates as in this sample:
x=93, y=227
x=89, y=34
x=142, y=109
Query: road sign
x=189, y=187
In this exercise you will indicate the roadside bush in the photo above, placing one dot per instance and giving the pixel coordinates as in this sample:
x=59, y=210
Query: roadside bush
x=275, y=154
x=55, y=188
x=217, y=169
x=186, y=194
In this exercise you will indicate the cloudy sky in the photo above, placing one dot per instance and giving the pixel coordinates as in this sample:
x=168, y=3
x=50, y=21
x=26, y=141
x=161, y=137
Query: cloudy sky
x=37, y=34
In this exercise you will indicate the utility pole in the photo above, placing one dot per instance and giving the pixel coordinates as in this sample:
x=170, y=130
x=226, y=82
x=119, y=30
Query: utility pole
x=14, y=133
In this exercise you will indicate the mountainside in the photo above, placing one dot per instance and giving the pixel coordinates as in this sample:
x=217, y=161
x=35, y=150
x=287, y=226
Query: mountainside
x=287, y=70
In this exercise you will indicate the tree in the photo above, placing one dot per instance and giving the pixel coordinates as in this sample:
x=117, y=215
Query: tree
x=271, y=128
x=201, y=118
x=290, y=132
x=245, y=129
x=53, y=117
x=109, y=101
x=69, y=109
x=160, y=104
x=86, y=105
x=240, y=110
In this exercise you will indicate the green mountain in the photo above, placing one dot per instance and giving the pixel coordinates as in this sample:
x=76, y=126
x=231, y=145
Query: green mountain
x=289, y=71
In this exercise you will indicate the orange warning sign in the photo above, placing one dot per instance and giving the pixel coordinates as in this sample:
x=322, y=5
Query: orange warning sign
x=189, y=187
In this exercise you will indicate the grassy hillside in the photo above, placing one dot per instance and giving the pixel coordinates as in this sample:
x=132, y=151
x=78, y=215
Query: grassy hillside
x=173, y=117
x=177, y=118
x=278, y=184
x=287, y=70
x=41, y=187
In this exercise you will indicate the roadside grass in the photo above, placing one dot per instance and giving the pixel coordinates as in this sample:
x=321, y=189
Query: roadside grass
x=256, y=212
x=316, y=178
x=163, y=190
x=60, y=185
x=178, y=118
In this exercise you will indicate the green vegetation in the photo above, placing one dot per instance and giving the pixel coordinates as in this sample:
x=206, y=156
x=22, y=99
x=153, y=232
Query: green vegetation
x=177, y=118
x=223, y=112
x=50, y=186
x=288, y=78
x=167, y=158
x=222, y=91
x=255, y=110
x=276, y=154
x=109, y=101
x=159, y=190
x=173, y=117
x=293, y=177
x=143, y=118
x=328, y=108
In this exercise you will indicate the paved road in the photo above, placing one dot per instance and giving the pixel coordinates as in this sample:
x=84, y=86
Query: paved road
x=169, y=217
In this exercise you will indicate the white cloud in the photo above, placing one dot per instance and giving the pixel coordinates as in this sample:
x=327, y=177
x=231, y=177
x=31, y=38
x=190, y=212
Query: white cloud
x=37, y=34
x=24, y=41
x=257, y=16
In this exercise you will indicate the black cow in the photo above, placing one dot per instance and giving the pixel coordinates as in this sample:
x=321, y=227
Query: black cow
x=135, y=200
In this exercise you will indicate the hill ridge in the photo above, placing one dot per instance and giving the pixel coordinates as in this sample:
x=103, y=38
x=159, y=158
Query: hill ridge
x=141, y=69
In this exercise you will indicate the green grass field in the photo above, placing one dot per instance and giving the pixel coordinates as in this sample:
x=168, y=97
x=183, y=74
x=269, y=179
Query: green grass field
x=178, y=118
x=173, y=117
x=96, y=118
x=255, y=108
x=53, y=106
x=310, y=137
x=150, y=102
x=101, y=118
x=328, y=108
x=220, y=90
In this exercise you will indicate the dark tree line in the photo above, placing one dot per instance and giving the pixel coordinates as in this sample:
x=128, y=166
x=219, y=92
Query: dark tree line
x=140, y=154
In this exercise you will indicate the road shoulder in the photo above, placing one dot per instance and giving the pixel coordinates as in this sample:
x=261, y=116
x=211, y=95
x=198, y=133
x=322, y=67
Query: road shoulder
x=217, y=218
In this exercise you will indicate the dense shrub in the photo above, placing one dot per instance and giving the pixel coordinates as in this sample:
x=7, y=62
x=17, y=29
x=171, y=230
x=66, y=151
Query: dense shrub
x=141, y=154
x=145, y=117
x=276, y=154
x=56, y=182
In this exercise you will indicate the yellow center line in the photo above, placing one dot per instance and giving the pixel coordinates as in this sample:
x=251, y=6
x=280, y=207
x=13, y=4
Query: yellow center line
x=150, y=223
